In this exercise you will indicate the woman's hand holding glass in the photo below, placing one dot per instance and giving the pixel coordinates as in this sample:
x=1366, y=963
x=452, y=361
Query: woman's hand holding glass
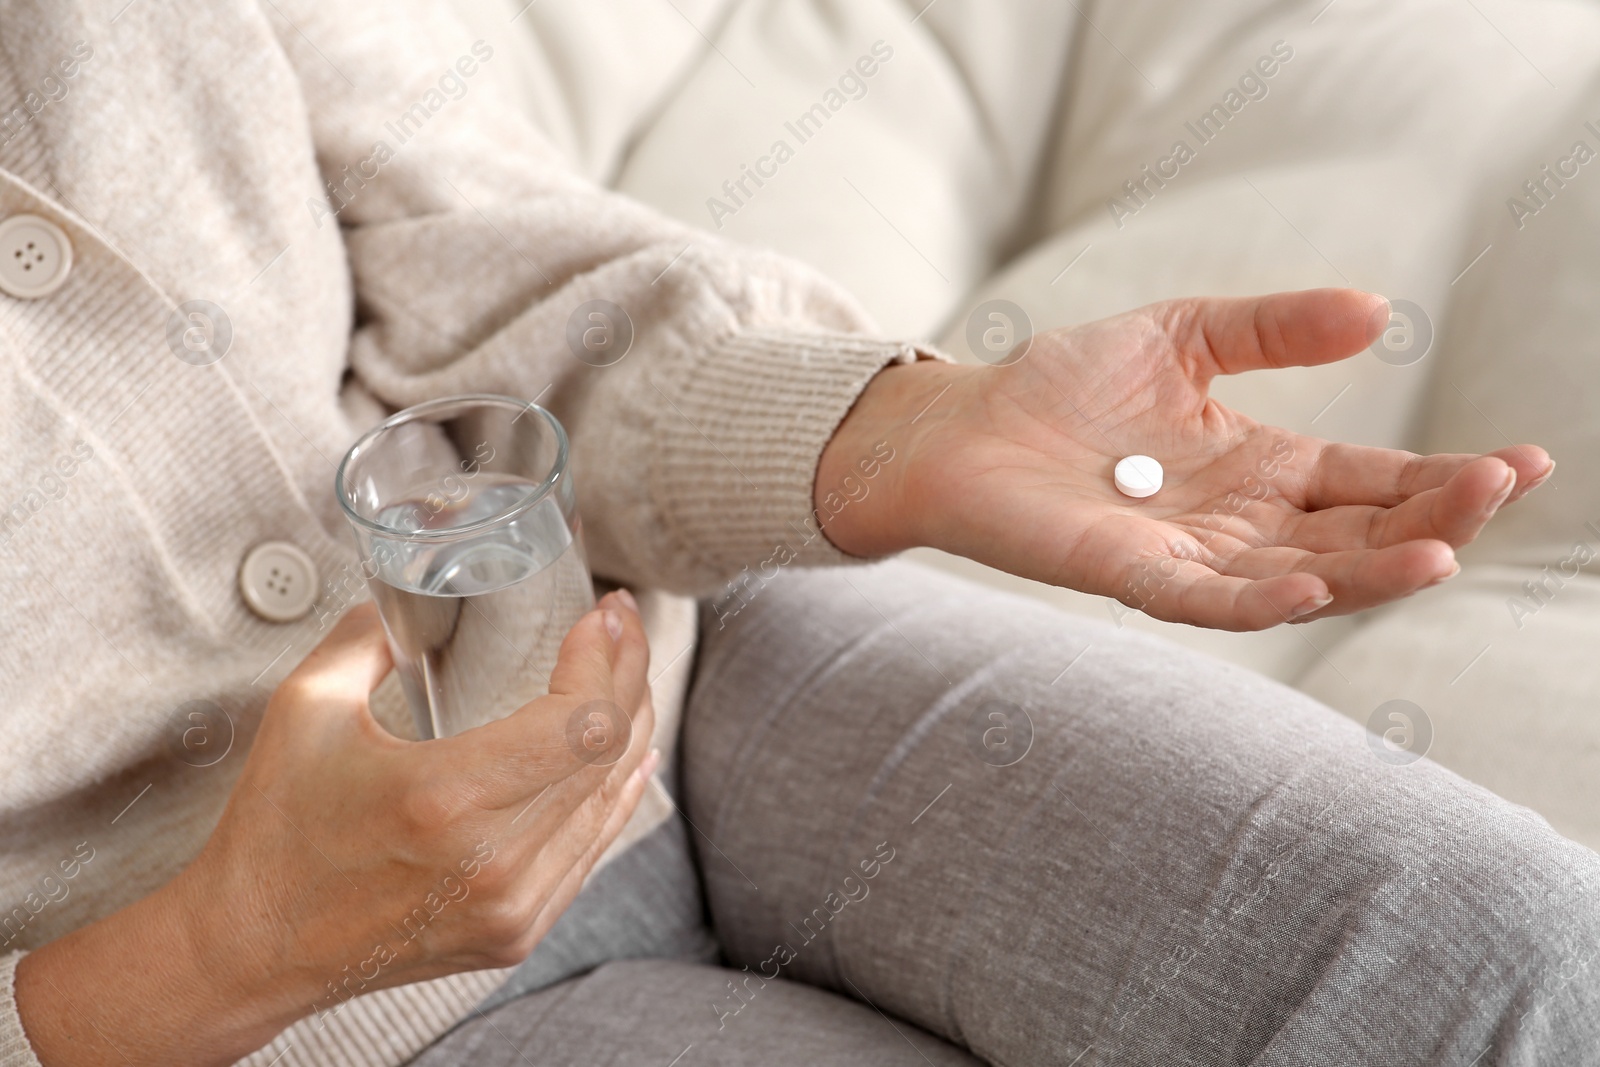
x=348, y=860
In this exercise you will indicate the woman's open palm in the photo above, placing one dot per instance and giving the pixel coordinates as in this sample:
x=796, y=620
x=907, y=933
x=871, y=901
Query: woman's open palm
x=1253, y=526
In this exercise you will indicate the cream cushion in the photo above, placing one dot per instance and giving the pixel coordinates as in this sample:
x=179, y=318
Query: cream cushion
x=981, y=161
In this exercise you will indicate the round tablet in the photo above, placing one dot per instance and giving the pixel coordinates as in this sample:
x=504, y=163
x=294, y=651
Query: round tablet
x=1137, y=476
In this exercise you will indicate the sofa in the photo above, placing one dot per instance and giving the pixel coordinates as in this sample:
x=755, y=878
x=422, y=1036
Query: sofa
x=1080, y=159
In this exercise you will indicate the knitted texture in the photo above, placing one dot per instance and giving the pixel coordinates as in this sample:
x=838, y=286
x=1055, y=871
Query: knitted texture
x=369, y=229
x=15, y=1051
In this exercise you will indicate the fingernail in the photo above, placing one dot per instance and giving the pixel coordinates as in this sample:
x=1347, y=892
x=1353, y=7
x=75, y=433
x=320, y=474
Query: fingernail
x=613, y=624
x=1505, y=491
x=647, y=766
x=1455, y=569
x=627, y=598
x=1540, y=480
x=1316, y=603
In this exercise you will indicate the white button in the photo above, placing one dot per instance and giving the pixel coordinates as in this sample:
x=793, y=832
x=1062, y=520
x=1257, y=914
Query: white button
x=1137, y=476
x=278, y=581
x=35, y=256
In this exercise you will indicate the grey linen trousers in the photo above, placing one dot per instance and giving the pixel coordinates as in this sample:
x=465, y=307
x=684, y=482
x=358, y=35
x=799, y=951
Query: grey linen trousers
x=938, y=824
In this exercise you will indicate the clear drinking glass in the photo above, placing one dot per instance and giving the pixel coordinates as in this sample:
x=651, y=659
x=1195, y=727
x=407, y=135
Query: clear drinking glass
x=465, y=515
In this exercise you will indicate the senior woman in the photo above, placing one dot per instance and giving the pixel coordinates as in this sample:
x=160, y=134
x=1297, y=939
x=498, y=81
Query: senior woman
x=1189, y=865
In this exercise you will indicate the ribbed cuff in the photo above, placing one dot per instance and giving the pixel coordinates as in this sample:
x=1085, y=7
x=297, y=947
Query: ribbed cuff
x=735, y=473
x=15, y=1049
x=389, y=1026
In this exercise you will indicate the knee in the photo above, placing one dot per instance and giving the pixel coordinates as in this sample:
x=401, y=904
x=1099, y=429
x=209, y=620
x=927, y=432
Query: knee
x=1481, y=911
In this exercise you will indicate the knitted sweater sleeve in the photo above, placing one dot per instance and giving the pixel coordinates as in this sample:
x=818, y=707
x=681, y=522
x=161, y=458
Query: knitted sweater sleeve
x=699, y=381
x=15, y=1050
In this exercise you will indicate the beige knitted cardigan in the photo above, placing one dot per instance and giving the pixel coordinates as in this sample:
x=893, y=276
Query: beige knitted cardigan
x=377, y=231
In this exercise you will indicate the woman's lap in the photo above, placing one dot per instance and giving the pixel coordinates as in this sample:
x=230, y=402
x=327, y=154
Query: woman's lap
x=656, y=1013
x=1185, y=863
x=646, y=903
x=1188, y=864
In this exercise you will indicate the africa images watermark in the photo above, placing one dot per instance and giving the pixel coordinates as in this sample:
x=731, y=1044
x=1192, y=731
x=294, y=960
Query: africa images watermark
x=1539, y=191
x=851, y=891
x=50, y=889
x=1399, y=732
x=744, y=587
x=342, y=189
x=1228, y=907
x=354, y=979
x=1150, y=578
x=51, y=487
x=52, y=89
x=1139, y=192
x=851, y=85
x=350, y=583
x=1553, y=577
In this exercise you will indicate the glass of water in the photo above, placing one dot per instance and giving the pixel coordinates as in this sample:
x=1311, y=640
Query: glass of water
x=467, y=523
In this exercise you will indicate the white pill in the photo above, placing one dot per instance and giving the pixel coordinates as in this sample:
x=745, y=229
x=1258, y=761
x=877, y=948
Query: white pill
x=1137, y=476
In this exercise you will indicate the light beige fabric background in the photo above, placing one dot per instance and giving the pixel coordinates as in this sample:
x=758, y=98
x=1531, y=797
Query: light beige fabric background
x=979, y=164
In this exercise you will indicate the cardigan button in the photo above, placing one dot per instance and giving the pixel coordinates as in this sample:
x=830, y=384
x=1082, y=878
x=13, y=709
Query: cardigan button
x=35, y=256
x=278, y=581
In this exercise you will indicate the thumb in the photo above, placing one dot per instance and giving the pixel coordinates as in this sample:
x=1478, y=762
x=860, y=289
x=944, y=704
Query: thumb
x=588, y=653
x=1301, y=329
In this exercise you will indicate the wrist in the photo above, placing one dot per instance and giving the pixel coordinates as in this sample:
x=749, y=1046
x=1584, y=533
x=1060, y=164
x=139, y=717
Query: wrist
x=867, y=491
x=147, y=984
x=238, y=969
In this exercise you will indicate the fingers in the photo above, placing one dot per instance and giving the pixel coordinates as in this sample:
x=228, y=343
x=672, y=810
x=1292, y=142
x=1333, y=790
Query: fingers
x=1302, y=329
x=346, y=666
x=1524, y=460
x=1263, y=587
x=582, y=725
x=1455, y=513
x=541, y=815
x=1357, y=579
x=1385, y=477
x=1184, y=591
x=579, y=847
x=536, y=876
